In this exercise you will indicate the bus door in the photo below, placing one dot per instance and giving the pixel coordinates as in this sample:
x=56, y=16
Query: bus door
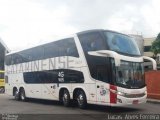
x=102, y=86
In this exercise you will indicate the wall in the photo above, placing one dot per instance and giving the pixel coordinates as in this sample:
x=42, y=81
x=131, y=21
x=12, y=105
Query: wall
x=152, y=79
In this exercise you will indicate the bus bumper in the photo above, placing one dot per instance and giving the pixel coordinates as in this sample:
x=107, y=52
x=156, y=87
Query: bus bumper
x=123, y=101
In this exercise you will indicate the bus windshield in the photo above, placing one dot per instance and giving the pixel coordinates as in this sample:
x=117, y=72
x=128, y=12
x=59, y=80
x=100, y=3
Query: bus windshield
x=121, y=43
x=130, y=75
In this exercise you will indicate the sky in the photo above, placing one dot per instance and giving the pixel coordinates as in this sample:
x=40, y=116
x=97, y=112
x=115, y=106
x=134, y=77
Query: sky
x=25, y=23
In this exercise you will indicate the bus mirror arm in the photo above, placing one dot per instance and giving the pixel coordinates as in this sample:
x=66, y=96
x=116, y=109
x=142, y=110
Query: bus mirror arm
x=153, y=62
x=107, y=53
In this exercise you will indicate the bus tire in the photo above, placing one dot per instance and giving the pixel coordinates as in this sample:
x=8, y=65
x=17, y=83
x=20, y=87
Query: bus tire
x=2, y=90
x=23, y=95
x=66, y=98
x=81, y=99
x=16, y=95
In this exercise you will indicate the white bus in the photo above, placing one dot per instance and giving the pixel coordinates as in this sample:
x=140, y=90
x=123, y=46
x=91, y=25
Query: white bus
x=97, y=67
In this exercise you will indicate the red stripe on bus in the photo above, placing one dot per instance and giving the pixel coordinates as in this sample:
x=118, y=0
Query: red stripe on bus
x=113, y=96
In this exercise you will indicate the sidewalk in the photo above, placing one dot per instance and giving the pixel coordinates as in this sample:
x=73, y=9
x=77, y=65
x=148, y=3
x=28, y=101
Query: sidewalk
x=150, y=100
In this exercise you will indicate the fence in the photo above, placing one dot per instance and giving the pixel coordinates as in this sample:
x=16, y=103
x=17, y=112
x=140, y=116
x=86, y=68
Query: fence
x=152, y=79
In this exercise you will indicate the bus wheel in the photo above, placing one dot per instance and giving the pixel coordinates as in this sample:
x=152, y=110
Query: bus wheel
x=81, y=99
x=66, y=98
x=22, y=95
x=2, y=90
x=16, y=95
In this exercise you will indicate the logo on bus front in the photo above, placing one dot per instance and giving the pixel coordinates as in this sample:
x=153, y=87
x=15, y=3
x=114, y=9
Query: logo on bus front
x=103, y=91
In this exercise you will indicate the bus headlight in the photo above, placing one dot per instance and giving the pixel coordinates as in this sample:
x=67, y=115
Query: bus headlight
x=118, y=93
x=121, y=93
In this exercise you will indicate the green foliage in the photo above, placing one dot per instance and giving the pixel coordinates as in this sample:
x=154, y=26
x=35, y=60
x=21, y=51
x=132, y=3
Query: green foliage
x=158, y=37
x=155, y=48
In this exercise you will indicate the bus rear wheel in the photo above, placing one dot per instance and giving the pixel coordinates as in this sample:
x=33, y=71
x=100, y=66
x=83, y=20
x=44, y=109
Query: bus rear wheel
x=16, y=94
x=66, y=98
x=22, y=95
x=81, y=99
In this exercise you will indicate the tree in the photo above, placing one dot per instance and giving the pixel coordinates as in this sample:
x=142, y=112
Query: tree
x=155, y=48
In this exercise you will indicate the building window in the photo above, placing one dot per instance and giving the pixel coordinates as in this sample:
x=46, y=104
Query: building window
x=147, y=48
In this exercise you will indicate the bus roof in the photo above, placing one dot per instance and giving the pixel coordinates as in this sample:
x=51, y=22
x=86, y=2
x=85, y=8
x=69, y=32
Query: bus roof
x=59, y=38
x=99, y=30
x=78, y=33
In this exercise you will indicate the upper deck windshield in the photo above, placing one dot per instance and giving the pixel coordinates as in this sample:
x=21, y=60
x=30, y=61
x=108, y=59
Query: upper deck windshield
x=121, y=43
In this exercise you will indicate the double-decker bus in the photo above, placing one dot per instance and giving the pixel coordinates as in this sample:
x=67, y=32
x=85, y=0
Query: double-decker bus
x=2, y=82
x=97, y=67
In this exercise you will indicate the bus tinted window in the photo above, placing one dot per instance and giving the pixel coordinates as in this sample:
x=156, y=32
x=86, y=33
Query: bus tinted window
x=37, y=53
x=98, y=66
x=51, y=50
x=92, y=42
x=65, y=47
x=68, y=48
x=116, y=42
x=25, y=56
x=52, y=76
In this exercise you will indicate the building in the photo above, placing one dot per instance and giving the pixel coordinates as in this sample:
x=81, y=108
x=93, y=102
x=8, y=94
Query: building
x=147, y=51
x=147, y=46
x=3, y=50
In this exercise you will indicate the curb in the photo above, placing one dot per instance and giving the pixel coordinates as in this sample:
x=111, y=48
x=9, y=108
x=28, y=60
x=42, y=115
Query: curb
x=155, y=101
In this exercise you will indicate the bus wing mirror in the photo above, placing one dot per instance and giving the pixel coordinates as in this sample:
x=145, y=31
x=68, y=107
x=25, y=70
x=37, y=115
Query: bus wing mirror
x=153, y=62
x=107, y=53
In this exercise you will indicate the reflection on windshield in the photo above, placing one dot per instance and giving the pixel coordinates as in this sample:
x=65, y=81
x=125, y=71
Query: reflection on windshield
x=130, y=74
x=121, y=43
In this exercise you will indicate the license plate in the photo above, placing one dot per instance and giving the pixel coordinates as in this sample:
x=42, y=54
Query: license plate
x=135, y=101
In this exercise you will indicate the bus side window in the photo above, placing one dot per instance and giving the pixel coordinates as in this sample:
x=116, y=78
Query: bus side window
x=101, y=74
x=68, y=47
x=64, y=47
x=37, y=53
x=92, y=42
x=74, y=77
x=51, y=50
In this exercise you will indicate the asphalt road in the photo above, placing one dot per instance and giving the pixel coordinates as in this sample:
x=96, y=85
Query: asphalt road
x=41, y=109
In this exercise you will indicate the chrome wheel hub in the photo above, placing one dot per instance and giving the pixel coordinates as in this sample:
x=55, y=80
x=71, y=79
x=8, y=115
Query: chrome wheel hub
x=65, y=97
x=22, y=96
x=80, y=99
